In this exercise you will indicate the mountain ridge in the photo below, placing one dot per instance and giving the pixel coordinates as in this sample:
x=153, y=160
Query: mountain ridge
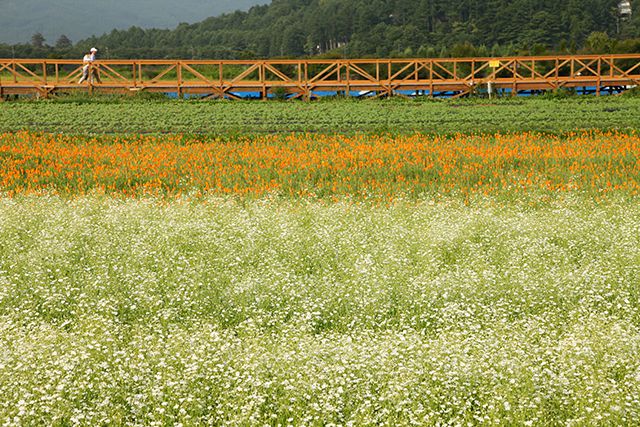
x=78, y=20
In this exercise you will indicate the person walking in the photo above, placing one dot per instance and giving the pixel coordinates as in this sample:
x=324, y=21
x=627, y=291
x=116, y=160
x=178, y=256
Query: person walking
x=87, y=60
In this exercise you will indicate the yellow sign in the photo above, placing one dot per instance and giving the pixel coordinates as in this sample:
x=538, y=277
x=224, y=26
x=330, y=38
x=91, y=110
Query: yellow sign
x=494, y=63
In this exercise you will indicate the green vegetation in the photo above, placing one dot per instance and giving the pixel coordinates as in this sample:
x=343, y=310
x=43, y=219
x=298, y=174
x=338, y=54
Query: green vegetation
x=380, y=28
x=106, y=115
x=145, y=313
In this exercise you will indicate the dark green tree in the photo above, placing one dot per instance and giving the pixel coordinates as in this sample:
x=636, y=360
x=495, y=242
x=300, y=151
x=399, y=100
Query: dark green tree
x=37, y=40
x=63, y=42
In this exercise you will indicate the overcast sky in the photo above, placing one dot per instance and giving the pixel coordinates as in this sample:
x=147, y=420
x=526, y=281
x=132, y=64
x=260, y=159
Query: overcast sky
x=79, y=19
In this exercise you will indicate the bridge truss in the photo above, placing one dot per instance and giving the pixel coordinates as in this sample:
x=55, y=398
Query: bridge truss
x=305, y=79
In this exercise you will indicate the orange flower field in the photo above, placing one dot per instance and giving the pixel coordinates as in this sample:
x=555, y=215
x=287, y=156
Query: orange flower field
x=313, y=165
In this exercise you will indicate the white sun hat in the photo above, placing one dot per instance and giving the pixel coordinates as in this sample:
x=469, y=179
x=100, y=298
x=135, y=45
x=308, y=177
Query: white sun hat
x=93, y=49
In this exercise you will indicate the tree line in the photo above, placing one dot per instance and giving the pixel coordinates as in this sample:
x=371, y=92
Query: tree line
x=371, y=28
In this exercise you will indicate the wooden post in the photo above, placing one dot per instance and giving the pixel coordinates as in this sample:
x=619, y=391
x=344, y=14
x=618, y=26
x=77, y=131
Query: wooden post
x=389, y=90
x=262, y=76
x=599, y=78
x=573, y=67
x=306, y=81
x=179, y=76
x=299, y=76
x=379, y=80
x=533, y=69
x=611, y=66
x=431, y=78
x=348, y=91
x=473, y=74
x=514, y=88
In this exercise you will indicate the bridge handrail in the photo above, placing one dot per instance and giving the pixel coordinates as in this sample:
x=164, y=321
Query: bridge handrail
x=304, y=75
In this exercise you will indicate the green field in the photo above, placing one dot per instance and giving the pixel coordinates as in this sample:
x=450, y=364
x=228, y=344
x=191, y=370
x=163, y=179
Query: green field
x=109, y=115
x=518, y=307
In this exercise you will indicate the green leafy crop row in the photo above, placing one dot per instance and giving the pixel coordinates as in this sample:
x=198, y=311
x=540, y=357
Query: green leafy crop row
x=443, y=117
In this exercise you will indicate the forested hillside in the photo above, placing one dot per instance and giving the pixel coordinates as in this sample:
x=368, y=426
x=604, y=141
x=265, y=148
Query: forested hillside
x=360, y=28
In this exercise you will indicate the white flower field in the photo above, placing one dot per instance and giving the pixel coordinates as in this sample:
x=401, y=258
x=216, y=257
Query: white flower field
x=144, y=312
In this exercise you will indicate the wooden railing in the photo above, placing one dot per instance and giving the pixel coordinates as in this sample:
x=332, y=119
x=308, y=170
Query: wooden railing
x=307, y=78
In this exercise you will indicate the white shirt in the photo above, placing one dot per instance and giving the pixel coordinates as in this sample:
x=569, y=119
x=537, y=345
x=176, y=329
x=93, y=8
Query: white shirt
x=89, y=58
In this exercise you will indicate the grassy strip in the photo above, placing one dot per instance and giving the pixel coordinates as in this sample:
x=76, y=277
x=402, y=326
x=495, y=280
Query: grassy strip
x=141, y=312
x=116, y=115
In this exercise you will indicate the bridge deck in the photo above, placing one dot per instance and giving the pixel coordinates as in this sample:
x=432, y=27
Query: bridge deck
x=305, y=78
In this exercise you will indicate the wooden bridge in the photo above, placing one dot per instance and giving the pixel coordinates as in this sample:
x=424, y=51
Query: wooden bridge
x=306, y=79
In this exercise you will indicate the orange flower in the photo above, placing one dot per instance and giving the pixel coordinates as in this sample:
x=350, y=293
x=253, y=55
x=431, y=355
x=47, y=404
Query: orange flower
x=308, y=165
